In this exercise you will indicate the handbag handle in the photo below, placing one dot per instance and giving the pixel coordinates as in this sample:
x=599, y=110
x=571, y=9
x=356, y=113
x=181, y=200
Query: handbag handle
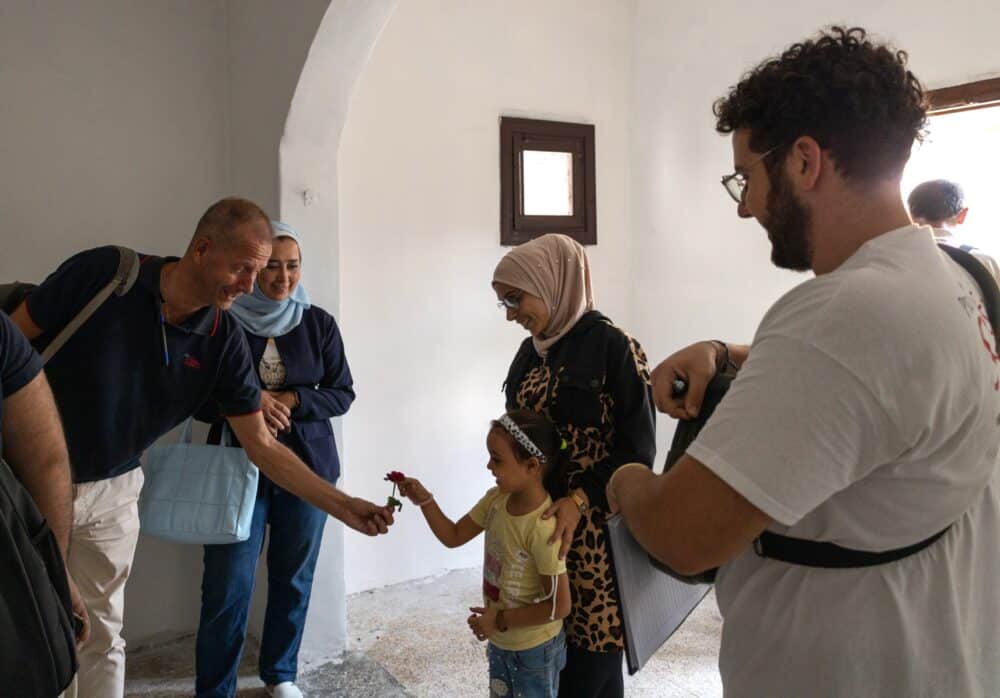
x=227, y=435
x=188, y=429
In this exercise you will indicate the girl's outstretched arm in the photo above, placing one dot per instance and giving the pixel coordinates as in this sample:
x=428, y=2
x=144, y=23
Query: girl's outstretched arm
x=451, y=534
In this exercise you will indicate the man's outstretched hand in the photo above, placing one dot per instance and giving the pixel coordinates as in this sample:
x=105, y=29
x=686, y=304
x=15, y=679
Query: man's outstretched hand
x=366, y=517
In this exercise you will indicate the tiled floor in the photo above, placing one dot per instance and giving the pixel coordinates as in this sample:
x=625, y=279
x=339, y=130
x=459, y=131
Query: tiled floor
x=411, y=640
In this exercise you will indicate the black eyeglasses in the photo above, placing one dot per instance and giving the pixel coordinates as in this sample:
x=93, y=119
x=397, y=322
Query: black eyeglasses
x=735, y=184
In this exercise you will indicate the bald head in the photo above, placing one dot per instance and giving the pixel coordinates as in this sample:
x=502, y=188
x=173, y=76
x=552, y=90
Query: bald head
x=224, y=223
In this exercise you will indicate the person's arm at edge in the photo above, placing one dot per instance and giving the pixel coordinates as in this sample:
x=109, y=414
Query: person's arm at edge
x=35, y=449
x=688, y=518
x=286, y=470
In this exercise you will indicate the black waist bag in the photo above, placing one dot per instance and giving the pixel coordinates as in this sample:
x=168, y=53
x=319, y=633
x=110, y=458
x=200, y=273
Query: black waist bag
x=37, y=646
x=810, y=553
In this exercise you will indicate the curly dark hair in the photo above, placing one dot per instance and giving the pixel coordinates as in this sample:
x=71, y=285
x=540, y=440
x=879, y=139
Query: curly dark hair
x=936, y=201
x=855, y=97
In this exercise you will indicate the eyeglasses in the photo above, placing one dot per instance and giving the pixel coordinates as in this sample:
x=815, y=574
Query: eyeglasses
x=735, y=184
x=510, y=302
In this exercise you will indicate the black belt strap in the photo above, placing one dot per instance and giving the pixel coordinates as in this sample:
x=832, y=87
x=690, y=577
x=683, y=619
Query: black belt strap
x=811, y=553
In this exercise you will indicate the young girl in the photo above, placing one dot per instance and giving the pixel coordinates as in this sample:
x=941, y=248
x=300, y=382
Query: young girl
x=525, y=587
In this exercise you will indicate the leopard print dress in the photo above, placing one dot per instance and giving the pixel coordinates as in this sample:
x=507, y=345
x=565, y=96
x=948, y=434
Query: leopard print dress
x=594, y=624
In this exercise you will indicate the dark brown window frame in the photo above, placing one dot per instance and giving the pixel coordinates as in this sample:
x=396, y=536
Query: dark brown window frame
x=518, y=135
x=980, y=94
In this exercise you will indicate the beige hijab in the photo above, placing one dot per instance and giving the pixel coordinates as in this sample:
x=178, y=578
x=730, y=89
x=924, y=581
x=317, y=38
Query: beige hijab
x=554, y=268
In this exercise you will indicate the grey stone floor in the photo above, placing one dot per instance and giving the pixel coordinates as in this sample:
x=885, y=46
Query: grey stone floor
x=411, y=640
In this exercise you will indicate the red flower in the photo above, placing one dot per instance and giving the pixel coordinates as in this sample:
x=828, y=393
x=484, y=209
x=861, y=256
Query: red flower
x=394, y=476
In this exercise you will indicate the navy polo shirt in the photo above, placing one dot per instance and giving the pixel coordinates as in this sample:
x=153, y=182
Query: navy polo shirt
x=19, y=364
x=116, y=389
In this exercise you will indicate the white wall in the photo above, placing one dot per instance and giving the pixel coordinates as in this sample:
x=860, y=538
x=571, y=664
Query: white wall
x=113, y=130
x=267, y=43
x=113, y=126
x=419, y=237
x=701, y=272
x=308, y=156
x=121, y=122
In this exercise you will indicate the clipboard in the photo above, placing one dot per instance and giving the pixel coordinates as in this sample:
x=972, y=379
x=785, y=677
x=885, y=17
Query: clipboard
x=653, y=604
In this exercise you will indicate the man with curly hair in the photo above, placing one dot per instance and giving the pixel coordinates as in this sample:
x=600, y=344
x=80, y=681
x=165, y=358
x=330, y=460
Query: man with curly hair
x=940, y=203
x=846, y=487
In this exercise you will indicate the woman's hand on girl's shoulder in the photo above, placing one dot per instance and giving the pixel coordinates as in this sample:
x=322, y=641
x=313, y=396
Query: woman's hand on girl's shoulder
x=568, y=516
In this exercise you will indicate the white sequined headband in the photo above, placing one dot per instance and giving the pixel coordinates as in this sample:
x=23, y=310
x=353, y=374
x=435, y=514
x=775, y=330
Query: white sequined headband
x=511, y=426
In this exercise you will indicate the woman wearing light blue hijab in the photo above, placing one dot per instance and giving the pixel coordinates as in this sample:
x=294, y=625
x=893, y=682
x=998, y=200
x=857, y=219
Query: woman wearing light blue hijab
x=305, y=378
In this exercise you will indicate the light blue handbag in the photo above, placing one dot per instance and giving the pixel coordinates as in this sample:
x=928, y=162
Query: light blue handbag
x=198, y=493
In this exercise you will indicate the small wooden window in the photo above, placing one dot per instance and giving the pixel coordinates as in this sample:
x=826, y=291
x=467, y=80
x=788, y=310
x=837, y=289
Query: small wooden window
x=547, y=180
x=971, y=95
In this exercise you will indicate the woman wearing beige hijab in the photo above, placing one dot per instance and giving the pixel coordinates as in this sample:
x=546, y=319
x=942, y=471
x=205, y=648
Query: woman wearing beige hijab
x=591, y=379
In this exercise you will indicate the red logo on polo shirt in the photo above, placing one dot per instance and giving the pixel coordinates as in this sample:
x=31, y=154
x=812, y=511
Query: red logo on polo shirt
x=192, y=362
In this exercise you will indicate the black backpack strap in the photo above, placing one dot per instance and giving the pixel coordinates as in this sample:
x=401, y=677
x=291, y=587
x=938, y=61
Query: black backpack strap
x=983, y=278
x=123, y=279
x=811, y=553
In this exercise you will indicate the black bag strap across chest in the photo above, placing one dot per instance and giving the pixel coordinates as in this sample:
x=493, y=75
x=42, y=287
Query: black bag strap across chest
x=810, y=553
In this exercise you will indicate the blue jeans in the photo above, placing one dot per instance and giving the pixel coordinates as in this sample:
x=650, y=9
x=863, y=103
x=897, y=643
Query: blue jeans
x=227, y=586
x=531, y=673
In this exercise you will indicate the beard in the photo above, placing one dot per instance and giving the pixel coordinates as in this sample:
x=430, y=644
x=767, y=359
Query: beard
x=787, y=226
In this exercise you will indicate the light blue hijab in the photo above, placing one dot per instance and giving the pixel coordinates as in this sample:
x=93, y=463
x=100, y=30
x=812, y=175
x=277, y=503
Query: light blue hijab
x=266, y=317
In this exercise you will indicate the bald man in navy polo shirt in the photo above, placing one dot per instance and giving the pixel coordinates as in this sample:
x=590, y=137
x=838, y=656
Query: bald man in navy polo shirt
x=143, y=363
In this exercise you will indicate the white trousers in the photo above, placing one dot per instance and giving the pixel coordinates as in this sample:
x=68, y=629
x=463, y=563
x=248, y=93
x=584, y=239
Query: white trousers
x=102, y=545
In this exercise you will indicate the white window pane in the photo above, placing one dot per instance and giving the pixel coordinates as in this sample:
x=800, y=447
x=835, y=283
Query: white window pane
x=964, y=147
x=548, y=183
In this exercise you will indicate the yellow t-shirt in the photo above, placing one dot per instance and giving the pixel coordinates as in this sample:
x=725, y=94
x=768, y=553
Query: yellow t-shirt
x=517, y=557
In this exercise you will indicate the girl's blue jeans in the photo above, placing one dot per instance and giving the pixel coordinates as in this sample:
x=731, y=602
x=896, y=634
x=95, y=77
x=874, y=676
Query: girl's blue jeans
x=531, y=673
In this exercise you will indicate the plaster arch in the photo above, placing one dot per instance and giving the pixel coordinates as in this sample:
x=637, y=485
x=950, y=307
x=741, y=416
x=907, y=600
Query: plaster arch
x=308, y=184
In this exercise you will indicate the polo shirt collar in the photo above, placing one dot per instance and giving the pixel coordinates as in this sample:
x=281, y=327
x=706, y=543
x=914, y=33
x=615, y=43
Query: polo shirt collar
x=203, y=322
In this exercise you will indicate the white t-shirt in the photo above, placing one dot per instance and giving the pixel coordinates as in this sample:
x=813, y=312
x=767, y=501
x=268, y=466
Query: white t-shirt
x=272, y=368
x=867, y=415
